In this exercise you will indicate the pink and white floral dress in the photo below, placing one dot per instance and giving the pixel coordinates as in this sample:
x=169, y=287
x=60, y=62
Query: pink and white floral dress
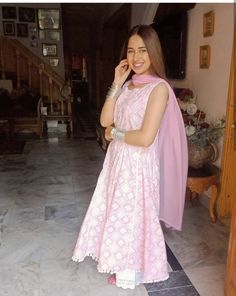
x=121, y=229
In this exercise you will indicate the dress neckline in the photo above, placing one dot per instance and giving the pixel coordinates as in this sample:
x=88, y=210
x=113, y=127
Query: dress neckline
x=137, y=88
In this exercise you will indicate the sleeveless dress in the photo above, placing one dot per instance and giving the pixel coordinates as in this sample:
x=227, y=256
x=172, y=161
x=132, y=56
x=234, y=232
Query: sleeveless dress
x=121, y=229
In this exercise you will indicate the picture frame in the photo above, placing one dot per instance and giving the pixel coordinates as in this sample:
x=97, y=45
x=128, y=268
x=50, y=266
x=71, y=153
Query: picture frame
x=54, y=62
x=33, y=30
x=204, y=56
x=42, y=34
x=208, y=23
x=49, y=50
x=22, y=30
x=26, y=14
x=53, y=35
x=9, y=12
x=9, y=28
x=34, y=43
x=48, y=18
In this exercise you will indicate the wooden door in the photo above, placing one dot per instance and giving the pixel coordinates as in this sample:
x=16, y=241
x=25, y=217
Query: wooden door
x=115, y=31
x=229, y=169
x=230, y=283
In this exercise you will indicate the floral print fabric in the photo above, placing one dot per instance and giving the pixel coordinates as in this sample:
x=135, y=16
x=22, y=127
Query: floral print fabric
x=121, y=229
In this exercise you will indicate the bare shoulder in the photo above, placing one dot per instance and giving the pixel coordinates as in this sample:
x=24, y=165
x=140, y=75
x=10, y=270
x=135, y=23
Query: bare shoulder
x=160, y=90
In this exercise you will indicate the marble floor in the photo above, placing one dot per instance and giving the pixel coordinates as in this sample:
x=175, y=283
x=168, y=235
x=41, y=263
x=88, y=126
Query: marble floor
x=44, y=194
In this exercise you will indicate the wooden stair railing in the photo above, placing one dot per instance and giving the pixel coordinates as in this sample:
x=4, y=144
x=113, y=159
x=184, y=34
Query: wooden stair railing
x=18, y=59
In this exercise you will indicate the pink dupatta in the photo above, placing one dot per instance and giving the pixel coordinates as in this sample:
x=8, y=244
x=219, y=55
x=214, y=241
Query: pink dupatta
x=173, y=152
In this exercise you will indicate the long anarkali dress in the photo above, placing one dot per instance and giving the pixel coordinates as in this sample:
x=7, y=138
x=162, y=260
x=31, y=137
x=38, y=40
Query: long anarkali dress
x=121, y=229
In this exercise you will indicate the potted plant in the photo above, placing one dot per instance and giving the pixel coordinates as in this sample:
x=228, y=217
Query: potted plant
x=202, y=136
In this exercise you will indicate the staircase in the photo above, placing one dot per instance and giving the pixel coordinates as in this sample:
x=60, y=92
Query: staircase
x=18, y=63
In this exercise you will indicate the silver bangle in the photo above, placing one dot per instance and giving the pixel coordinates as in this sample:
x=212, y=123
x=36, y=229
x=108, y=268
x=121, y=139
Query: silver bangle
x=113, y=92
x=117, y=134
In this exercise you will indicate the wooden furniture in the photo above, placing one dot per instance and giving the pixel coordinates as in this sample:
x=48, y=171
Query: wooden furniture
x=200, y=180
x=22, y=113
x=60, y=110
x=7, y=126
x=22, y=66
x=62, y=118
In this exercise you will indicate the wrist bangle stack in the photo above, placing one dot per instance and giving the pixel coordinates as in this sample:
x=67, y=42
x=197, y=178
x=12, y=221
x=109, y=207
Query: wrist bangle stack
x=117, y=135
x=113, y=92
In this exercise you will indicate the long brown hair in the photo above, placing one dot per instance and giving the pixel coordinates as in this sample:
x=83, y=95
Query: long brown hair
x=153, y=45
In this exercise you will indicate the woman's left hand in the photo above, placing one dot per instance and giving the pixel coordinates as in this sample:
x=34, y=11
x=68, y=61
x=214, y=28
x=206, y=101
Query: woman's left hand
x=108, y=133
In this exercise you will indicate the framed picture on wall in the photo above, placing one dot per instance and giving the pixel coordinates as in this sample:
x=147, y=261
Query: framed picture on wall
x=26, y=14
x=8, y=12
x=34, y=43
x=48, y=18
x=208, y=23
x=53, y=35
x=42, y=34
x=49, y=50
x=204, y=60
x=54, y=62
x=22, y=30
x=9, y=28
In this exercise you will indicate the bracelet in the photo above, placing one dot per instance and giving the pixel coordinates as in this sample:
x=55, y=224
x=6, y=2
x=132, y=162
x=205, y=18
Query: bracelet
x=113, y=91
x=117, y=134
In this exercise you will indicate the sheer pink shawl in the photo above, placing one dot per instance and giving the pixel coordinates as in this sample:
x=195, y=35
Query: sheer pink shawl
x=173, y=154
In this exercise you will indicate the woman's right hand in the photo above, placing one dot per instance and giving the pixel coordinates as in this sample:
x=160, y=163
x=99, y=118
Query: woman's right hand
x=122, y=72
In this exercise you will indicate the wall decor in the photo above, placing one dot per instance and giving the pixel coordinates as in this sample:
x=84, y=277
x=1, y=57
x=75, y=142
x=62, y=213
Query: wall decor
x=34, y=43
x=48, y=18
x=205, y=54
x=49, y=49
x=53, y=35
x=8, y=12
x=42, y=34
x=54, y=62
x=9, y=28
x=26, y=14
x=22, y=30
x=33, y=30
x=208, y=23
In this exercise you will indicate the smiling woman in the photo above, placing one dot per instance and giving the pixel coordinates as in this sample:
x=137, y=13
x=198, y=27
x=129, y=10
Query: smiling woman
x=137, y=56
x=147, y=152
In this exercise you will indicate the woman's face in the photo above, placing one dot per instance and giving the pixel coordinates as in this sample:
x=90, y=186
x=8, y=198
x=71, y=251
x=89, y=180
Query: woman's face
x=137, y=56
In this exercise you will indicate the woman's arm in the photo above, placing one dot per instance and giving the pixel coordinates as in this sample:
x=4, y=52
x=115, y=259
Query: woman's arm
x=121, y=73
x=107, y=114
x=152, y=119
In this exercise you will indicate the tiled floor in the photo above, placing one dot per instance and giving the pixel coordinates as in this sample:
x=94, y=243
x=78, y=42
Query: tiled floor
x=44, y=194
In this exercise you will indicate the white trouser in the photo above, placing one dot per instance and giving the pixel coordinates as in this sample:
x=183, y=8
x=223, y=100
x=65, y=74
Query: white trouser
x=128, y=279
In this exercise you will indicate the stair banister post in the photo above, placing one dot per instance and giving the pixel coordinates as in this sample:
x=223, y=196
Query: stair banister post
x=62, y=102
x=18, y=68
x=3, y=74
x=29, y=73
x=50, y=93
x=40, y=82
x=69, y=100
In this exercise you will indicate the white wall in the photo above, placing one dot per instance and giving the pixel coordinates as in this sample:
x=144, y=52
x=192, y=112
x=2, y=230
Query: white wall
x=26, y=41
x=210, y=85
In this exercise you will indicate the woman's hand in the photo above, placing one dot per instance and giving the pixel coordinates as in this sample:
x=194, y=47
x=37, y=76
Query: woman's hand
x=122, y=72
x=108, y=133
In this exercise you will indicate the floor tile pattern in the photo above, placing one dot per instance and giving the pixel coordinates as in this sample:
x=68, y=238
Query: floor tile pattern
x=44, y=194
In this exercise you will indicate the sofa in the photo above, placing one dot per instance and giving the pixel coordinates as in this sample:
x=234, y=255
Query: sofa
x=20, y=111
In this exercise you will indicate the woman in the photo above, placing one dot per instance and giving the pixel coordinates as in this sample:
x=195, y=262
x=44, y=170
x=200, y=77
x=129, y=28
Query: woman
x=143, y=179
